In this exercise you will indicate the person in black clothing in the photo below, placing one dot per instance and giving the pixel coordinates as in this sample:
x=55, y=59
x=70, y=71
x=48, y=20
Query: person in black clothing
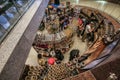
x=73, y=54
x=72, y=12
x=93, y=17
x=90, y=31
x=39, y=56
x=66, y=21
x=92, y=36
x=10, y=0
x=59, y=55
x=61, y=22
x=46, y=12
x=58, y=10
x=85, y=22
x=42, y=26
x=56, y=2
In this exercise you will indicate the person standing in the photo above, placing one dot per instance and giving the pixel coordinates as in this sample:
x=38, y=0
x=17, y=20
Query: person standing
x=59, y=55
x=87, y=32
x=61, y=22
x=80, y=26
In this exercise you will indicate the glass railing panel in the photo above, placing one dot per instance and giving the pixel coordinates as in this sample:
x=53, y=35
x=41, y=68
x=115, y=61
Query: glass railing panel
x=10, y=13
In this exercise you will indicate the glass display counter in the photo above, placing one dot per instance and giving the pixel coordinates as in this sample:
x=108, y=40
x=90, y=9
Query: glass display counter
x=10, y=13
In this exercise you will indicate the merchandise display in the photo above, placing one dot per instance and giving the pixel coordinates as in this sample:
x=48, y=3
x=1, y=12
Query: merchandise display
x=58, y=72
x=35, y=72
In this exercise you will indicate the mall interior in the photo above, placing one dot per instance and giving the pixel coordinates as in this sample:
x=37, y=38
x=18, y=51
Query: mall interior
x=59, y=39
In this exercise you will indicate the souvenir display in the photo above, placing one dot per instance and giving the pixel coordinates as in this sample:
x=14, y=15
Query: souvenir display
x=58, y=72
x=35, y=73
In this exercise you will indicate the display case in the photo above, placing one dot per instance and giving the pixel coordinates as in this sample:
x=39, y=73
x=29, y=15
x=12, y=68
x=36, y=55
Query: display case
x=10, y=13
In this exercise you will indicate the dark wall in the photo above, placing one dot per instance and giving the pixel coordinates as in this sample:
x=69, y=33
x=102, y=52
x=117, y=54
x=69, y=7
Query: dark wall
x=102, y=72
x=111, y=64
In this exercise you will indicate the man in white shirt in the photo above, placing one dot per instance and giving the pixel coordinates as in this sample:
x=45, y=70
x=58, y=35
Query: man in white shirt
x=88, y=29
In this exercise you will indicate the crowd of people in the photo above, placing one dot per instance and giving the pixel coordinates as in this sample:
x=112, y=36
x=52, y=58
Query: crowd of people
x=65, y=16
x=85, y=29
